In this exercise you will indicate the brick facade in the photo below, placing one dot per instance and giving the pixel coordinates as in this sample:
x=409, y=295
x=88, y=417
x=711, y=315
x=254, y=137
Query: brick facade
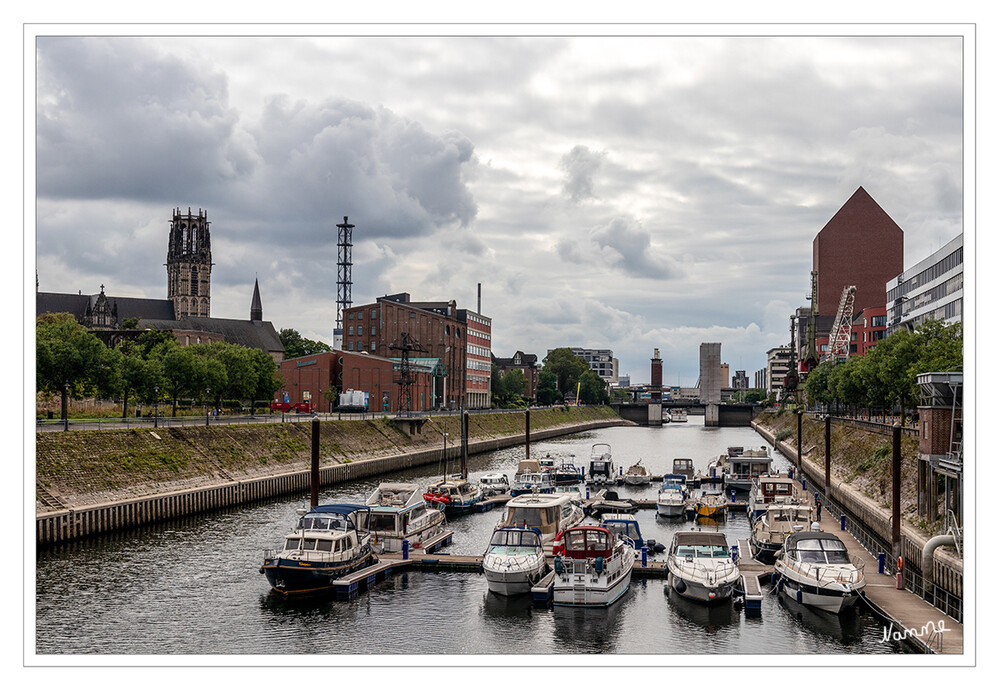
x=934, y=430
x=860, y=245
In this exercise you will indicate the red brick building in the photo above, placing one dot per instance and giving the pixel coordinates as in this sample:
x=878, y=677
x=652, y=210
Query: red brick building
x=459, y=338
x=869, y=327
x=307, y=379
x=860, y=245
x=528, y=365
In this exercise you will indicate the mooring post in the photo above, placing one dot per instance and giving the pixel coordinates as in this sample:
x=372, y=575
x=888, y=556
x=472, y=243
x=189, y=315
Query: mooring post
x=828, y=452
x=896, y=490
x=527, y=434
x=314, y=478
x=464, y=444
x=799, y=438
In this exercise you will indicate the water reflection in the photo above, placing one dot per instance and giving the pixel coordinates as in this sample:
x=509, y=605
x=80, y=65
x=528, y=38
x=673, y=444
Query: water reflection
x=846, y=627
x=711, y=617
x=580, y=630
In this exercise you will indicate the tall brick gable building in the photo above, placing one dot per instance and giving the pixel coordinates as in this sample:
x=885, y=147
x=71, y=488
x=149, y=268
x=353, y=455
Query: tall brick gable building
x=860, y=245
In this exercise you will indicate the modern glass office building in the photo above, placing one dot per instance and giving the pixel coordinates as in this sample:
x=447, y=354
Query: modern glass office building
x=932, y=289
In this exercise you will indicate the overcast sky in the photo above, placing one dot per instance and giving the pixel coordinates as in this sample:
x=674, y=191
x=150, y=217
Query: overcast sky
x=624, y=193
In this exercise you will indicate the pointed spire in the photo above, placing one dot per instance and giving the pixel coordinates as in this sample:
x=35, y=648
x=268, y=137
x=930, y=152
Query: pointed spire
x=256, y=309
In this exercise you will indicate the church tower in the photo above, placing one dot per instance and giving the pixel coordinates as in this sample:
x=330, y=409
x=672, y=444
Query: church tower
x=189, y=264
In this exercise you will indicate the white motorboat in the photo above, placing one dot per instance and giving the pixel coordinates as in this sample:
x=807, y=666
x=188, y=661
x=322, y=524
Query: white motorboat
x=677, y=415
x=816, y=570
x=742, y=467
x=767, y=489
x=398, y=512
x=671, y=499
x=454, y=495
x=514, y=560
x=773, y=526
x=494, y=484
x=601, y=469
x=532, y=479
x=547, y=513
x=328, y=543
x=701, y=567
x=592, y=567
x=637, y=475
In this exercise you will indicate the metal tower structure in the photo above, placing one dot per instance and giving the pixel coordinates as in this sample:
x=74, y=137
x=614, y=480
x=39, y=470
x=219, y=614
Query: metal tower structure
x=405, y=376
x=811, y=357
x=343, y=282
x=839, y=336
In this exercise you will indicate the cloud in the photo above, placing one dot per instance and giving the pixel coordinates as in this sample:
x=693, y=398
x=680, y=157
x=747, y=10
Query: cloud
x=580, y=166
x=627, y=246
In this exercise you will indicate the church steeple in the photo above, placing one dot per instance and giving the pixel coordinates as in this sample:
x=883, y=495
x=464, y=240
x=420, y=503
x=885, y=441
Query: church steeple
x=189, y=264
x=256, y=309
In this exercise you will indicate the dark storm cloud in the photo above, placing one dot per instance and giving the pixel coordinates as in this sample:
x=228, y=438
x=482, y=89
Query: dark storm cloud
x=117, y=120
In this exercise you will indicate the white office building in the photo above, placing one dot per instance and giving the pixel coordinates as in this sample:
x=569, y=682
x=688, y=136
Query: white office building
x=932, y=289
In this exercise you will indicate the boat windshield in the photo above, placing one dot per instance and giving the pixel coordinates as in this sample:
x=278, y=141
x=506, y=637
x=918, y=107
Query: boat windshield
x=822, y=551
x=703, y=551
x=506, y=537
x=598, y=466
x=541, y=518
x=625, y=529
x=326, y=523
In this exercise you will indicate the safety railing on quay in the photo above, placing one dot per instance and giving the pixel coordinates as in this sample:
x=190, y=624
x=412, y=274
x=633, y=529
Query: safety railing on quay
x=153, y=422
x=912, y=578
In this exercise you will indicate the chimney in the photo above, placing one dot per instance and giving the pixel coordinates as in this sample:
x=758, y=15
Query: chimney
x=478, y=307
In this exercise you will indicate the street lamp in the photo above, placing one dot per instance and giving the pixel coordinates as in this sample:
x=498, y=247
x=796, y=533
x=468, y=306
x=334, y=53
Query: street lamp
x=65, y=406
x=156, y=407
x=208, y=392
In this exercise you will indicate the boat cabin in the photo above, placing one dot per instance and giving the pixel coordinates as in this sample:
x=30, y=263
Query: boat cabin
x=692, y=545
x=337, y=543
x=495, y=480
x=528, y=465
x=513, y=540
x=816, y=547
x=774, y=488
x=684, y=466
x=547, y=513
x=624, y=527
x=588, y=542
x=751, y=463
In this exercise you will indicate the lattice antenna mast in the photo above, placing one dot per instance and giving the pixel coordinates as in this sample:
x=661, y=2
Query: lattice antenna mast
x=839, y=336
x=811, y=356
x=405, y=378
x=343, y=282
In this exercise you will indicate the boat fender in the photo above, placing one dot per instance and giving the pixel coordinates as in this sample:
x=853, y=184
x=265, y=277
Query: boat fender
x=598, y=564
x=558, y=565
x=659, y=548
x=651, y=543
x=679, y=585
x=261, y=570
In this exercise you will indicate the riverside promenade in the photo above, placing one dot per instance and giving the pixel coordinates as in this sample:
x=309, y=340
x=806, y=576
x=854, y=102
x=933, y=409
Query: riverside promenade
x=910, y=616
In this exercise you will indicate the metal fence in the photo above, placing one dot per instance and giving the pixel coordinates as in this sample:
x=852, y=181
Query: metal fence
x=912, y=578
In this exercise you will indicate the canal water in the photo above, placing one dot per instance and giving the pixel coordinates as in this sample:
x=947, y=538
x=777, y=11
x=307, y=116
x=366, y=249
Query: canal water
x=192, y=586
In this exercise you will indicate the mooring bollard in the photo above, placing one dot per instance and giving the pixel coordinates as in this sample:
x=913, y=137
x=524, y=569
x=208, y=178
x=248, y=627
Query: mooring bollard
x=645, y=556
x=735, y=553
x=804, y=484
x=881, y=562
x=587, y=493
x=899, y=579
x=842, y=523
x=405, y=549
x=733, y=495
x=790, y=472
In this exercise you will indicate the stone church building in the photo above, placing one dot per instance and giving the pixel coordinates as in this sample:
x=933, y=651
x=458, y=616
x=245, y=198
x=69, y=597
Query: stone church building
x=186, y=312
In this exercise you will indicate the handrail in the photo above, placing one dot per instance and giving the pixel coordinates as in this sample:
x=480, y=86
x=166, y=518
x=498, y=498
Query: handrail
x=720, y=571
x=817, y=571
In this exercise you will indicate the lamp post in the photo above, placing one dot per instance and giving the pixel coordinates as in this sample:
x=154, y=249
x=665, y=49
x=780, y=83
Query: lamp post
x=208, y=392
x=65, y=406
x=156, y=407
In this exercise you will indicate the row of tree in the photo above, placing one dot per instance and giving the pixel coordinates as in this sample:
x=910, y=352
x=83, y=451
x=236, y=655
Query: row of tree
x=562, y=374
x=151, y=368
x=885, y=378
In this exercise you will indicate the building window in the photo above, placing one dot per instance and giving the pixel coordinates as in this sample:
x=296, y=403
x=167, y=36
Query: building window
x=374, y=313
x=412, y=314
x=350, y=346
x=373, y=331
x=350, y=330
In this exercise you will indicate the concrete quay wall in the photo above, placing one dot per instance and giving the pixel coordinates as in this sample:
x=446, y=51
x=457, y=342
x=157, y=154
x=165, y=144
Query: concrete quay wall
x=75, y=523
x=948, y=570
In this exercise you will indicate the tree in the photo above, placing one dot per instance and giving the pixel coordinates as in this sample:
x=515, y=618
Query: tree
x=180, y=372
x=297, y=346
x=268, y=380
x=548, y=393
x=67, y=357
x=568, y=368
x=592, y=388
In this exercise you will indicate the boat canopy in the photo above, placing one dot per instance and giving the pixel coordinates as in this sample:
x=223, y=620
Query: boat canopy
x=700, y=539
x=675, y=478
x=624, y=527
x=817, y=547
x=528, y=465
x=588, y=542
x=515, y=536
x=666, y=486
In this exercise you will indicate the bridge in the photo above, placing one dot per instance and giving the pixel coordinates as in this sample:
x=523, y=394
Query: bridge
x=732, y=414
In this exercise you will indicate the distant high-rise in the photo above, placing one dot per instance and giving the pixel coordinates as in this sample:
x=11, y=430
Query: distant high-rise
x=189, y=264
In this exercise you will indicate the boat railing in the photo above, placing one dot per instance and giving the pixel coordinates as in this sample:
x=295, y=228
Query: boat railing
x=720, y=571
x=831, y=573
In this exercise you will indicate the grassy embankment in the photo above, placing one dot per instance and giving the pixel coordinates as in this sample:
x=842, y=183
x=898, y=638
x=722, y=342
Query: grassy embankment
x=861, y=458
x=91, y=467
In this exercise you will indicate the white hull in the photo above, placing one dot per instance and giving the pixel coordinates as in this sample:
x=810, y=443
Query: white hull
x=833, y=602
x=636, y=480
x=670, y=509
x=509, y=576
x=698, y=590
x=586, y=589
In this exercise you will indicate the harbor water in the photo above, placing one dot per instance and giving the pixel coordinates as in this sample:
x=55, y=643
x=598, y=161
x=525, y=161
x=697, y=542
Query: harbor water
x=192, y=586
